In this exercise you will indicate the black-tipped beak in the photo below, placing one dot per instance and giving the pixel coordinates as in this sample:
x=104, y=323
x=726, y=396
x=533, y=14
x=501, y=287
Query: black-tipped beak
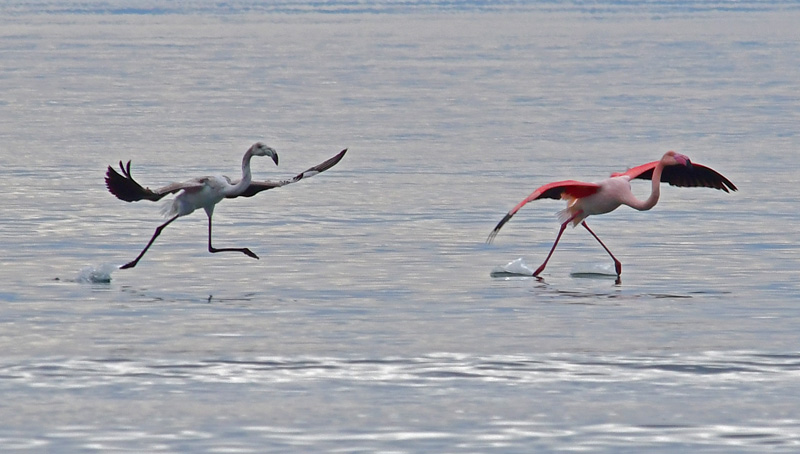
x=275, y=158
x=688, y=164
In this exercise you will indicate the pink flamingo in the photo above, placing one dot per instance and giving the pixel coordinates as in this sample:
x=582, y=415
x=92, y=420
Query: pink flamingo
x=586, y=199
x=204, y=192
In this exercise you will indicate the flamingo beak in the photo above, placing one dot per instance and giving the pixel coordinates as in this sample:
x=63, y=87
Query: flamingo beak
x=275, y=157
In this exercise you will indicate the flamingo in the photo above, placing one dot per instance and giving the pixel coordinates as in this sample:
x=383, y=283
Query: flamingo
x=586, y=199
x=203, y=192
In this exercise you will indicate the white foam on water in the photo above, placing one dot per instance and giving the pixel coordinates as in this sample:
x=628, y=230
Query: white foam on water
x=96, y=274
x=514, y=268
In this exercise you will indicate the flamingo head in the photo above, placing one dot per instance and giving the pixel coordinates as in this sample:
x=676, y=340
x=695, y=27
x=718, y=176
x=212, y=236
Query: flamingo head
x=672, y=158
x=259, y=149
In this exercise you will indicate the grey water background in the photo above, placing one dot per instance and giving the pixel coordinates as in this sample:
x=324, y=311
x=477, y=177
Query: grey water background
x=371, y=322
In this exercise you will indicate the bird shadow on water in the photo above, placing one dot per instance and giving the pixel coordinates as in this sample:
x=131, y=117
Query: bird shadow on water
x=615, y=294
x=99, y=276
x=519, y=269
x=588, y=281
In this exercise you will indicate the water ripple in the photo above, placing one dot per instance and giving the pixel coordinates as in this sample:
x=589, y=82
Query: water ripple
x=87, y=372
x=600, y=385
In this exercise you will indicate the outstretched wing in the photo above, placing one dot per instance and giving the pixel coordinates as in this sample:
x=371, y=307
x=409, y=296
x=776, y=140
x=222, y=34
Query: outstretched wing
x=691, y=176
x=258, y=186
x=556, y=190
x=127, y=189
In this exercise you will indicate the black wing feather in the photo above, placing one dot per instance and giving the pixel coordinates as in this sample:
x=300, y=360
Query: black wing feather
x=258, y=186
x=126, y=188
x=692, y=176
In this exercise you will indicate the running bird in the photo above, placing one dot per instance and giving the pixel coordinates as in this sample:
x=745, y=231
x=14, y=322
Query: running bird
x=586, y=199
x=204, y=192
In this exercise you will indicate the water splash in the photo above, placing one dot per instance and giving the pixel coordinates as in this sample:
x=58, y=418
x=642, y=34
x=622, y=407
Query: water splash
x=96, y=274
x=594, y=270
x=514, y=268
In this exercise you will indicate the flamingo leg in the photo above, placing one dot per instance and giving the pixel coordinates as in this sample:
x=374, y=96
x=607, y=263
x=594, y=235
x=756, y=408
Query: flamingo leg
x=552, y=249
x=133, y=263
x=617, y=263
x=212, y=249
x=541, y=267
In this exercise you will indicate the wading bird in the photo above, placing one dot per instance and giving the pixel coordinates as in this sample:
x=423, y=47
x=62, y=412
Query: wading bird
x=586, y=199
x=204, y=192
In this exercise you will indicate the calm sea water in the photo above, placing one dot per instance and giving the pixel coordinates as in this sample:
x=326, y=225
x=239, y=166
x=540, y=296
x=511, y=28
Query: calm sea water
x=371, y=322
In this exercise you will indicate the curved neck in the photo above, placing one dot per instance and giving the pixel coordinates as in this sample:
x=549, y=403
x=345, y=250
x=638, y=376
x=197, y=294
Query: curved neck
x=247, y=177
x=655, y=192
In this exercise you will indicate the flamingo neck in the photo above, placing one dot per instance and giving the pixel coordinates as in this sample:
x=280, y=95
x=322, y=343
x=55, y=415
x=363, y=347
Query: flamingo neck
x=655, y=192
x=247, y=176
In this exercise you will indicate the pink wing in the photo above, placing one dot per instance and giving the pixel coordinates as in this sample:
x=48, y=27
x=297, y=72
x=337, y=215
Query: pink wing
x=556, y=190
x=690, y=176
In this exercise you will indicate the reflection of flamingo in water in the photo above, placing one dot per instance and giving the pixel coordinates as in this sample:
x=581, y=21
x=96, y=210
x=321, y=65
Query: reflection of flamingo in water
x=586, y=199
x=203, y=192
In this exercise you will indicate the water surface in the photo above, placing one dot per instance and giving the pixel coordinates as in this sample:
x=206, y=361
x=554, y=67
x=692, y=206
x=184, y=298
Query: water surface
x=371, y=322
